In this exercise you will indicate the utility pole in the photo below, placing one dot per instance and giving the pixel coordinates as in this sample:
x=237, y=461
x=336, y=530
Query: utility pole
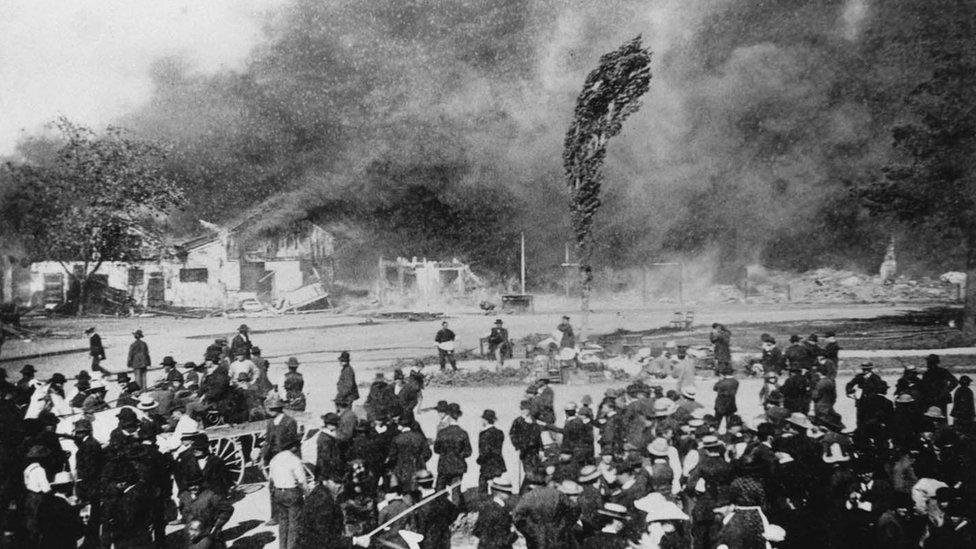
x=523, y=262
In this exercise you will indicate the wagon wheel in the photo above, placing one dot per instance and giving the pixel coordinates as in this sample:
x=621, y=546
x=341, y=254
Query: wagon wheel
x=229, y=451
x=213, y=418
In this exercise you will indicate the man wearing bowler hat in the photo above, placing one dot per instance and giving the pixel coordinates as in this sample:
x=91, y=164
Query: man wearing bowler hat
x=241, y=344
x=329, y=462
x=138, y=360
x=490, y=442
x=453, y=448
x=498, y=343
x=95, y=349
x=294, y=387
x=346, y=389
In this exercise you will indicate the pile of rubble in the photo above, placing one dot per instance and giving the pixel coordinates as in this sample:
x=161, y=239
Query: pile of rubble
x=827, y=285
x=841, y=286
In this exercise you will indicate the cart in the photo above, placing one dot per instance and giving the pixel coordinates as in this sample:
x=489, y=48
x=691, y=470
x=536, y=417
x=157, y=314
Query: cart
x=235, y=444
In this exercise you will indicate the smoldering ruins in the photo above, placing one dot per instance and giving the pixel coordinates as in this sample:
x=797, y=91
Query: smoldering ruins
x=430, y=130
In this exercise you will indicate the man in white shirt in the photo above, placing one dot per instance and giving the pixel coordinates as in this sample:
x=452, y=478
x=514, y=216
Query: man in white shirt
x=241, y=365
x=287, y=474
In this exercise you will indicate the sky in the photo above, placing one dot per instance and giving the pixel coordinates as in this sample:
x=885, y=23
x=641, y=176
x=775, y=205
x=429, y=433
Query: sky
x=89, y=59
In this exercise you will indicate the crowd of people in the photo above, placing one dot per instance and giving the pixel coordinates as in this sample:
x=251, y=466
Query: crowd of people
x=640, y=467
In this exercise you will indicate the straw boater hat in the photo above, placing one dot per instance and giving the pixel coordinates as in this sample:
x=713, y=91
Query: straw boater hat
x=800, y=420
x=658, y=447
x=570, y=488
x=274, y=403
x=501, y=485
x=588, y=474
x=424, y=478
x=934, y=412
x=689, y=392
x=614, y=511
x=147, y=402
x=663, y=407
x=659, y=509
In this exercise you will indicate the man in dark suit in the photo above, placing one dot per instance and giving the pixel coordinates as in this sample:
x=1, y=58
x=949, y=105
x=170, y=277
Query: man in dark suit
x=408, y=453
x=200, y=462
x=453, y=448
x=323, y=523
x=867, y=381
x=772, y=357
x=329, y=462
x=95, y=349
x=89, y=464
x=726, y=389
x=490, y=442
x=139, y=360
x=201, y=504
x=832, y=349
x=346, y=389
x=128, y=511
x=241, y=344
x=498, y=343
x=281, y=428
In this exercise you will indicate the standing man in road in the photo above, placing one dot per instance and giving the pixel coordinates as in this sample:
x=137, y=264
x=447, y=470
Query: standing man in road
x=241, y=344
x=286, y=473
x=721, y=338
x=346, y=389
x=96, y=350
x=281, y=429
x=139, y=359
x=445, y=346
x=772, y=356
x=498, y=343
x=453, y=448
x=568, y=338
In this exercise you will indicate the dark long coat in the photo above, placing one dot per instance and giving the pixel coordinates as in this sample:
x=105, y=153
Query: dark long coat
x=67, y=526
x=322, y=525
x=490, y=460
x=725, y=399
x=409, y=453
x=138, y=356
x=453, y=448
x=346, y=389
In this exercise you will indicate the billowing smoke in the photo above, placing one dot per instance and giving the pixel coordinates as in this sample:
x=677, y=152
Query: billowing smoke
x=434, y=129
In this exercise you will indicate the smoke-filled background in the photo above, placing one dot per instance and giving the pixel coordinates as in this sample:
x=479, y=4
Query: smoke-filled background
x=429, y=128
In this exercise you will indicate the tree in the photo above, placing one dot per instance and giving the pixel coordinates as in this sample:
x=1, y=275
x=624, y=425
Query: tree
x=99, y=199
x=610, y=94
x=932, y=184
